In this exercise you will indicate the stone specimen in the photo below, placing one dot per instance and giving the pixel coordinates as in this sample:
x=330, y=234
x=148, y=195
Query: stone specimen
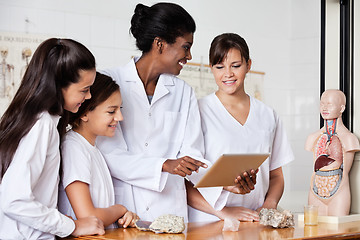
x=276, y=219
x=168, y=224
x=164, y=224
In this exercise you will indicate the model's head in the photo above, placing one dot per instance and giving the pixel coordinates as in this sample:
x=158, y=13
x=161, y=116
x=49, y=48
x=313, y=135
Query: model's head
x=223, y=43
x=166, y=21
x=332, y=104
x=102, y=89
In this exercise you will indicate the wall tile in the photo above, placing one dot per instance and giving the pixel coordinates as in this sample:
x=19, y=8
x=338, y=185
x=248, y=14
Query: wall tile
x=102, y=31
x=77, y=26
x=5, y=23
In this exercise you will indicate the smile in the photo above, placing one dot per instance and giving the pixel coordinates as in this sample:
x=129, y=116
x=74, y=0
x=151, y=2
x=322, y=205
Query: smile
x=182, y=63
x=229, y=82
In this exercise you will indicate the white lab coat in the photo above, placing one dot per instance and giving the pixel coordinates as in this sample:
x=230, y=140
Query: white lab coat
x=83, y=162
x=262, y=133
x=29, y=188
x=168, y=128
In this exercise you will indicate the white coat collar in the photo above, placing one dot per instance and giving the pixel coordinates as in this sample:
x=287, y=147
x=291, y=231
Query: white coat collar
x=165, y=79
x=162, y=87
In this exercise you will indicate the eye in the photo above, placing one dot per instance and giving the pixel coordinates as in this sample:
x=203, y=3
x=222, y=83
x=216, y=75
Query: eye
x=111, y=112
x=85, y=91
x=219, y=67
x=236, y=66
x=186, y=47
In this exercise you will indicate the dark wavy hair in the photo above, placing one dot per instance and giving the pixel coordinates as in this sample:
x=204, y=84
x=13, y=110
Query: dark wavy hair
x=54, y=66
x=103, y=87
x=221, y=45
x=164, y=20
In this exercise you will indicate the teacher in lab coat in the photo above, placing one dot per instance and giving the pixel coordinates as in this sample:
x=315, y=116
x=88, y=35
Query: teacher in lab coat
x=160, y=138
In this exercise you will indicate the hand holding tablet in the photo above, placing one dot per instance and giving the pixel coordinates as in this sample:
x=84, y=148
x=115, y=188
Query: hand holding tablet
x=228, y=167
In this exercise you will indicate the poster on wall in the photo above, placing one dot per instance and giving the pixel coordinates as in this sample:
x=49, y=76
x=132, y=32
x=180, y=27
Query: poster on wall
x=199, y=76
x=16, y=50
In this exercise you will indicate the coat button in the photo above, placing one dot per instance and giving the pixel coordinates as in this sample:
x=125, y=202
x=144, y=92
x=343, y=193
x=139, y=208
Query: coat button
x=146, y=144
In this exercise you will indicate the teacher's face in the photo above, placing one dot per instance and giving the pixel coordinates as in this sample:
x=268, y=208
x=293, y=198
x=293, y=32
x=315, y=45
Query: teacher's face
x=174, y=56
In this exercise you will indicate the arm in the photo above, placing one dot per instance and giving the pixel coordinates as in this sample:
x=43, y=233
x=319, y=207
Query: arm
x=193, y=139
x=24, y=179
x=152, y=171
x=121, y=163
x=80, y=200
x=276, y=189
x=197, y=201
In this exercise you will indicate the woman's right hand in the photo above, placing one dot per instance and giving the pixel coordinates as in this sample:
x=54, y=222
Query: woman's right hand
x=182, y=166
x=88, y=226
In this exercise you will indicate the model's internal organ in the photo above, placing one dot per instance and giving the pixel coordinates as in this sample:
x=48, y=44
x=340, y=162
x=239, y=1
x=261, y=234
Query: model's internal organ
x=328, y=152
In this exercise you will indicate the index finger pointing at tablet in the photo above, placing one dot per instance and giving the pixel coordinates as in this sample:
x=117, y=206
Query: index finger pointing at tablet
x=195, y=162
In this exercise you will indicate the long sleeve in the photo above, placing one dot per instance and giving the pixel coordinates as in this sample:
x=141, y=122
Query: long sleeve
x=30, y=185
x=147, y=170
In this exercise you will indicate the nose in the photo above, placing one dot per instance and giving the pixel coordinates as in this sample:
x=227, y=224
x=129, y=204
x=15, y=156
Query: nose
x=229, y=72
x=118, y=116
x=88, y=95
x=188, y=55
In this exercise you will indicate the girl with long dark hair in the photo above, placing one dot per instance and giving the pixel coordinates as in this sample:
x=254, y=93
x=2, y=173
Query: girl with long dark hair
x=57, y=81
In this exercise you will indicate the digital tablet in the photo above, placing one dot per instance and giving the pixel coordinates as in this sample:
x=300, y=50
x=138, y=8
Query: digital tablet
x=224, y=171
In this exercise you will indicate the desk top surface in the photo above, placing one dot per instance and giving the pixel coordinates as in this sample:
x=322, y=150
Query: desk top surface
x=247, y=230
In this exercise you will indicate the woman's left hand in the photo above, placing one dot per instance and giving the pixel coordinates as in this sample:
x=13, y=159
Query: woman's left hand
x=244, y=183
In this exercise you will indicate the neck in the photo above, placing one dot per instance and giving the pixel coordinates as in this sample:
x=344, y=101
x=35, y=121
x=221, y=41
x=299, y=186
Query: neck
x=147, y=69
x=339, y=122
x=88, y=135
x=232, y=99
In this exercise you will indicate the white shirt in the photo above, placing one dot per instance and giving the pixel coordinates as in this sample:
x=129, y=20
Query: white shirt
x=83, y=162
x=29, y=188
x=262, y=133
x=168, y=128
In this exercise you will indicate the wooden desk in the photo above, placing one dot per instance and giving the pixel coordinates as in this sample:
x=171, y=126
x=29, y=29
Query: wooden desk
x=252, y=231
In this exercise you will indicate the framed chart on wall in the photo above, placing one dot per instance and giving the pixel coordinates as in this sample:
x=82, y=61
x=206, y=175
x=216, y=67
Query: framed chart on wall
x=199, y=77
x=16, y=50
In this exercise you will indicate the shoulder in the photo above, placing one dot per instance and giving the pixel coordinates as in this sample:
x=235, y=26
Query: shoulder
x=169, y=78
x=263, y=110
x=349, y=141
x=45, y=124
x=119, y=73
x=206, y=101
x=312, y=138
x=73, y=144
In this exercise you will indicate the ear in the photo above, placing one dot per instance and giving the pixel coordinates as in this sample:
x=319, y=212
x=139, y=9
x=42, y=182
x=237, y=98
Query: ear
x=342, y=108
x=249, y=65
x=85, y=118
x=158, y=44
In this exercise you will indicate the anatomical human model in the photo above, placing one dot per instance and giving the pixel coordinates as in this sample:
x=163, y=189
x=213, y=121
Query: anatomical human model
x=6, y=70
x=334, y=147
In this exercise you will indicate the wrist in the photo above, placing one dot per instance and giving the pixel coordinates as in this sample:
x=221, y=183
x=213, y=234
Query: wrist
x=219, y=214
